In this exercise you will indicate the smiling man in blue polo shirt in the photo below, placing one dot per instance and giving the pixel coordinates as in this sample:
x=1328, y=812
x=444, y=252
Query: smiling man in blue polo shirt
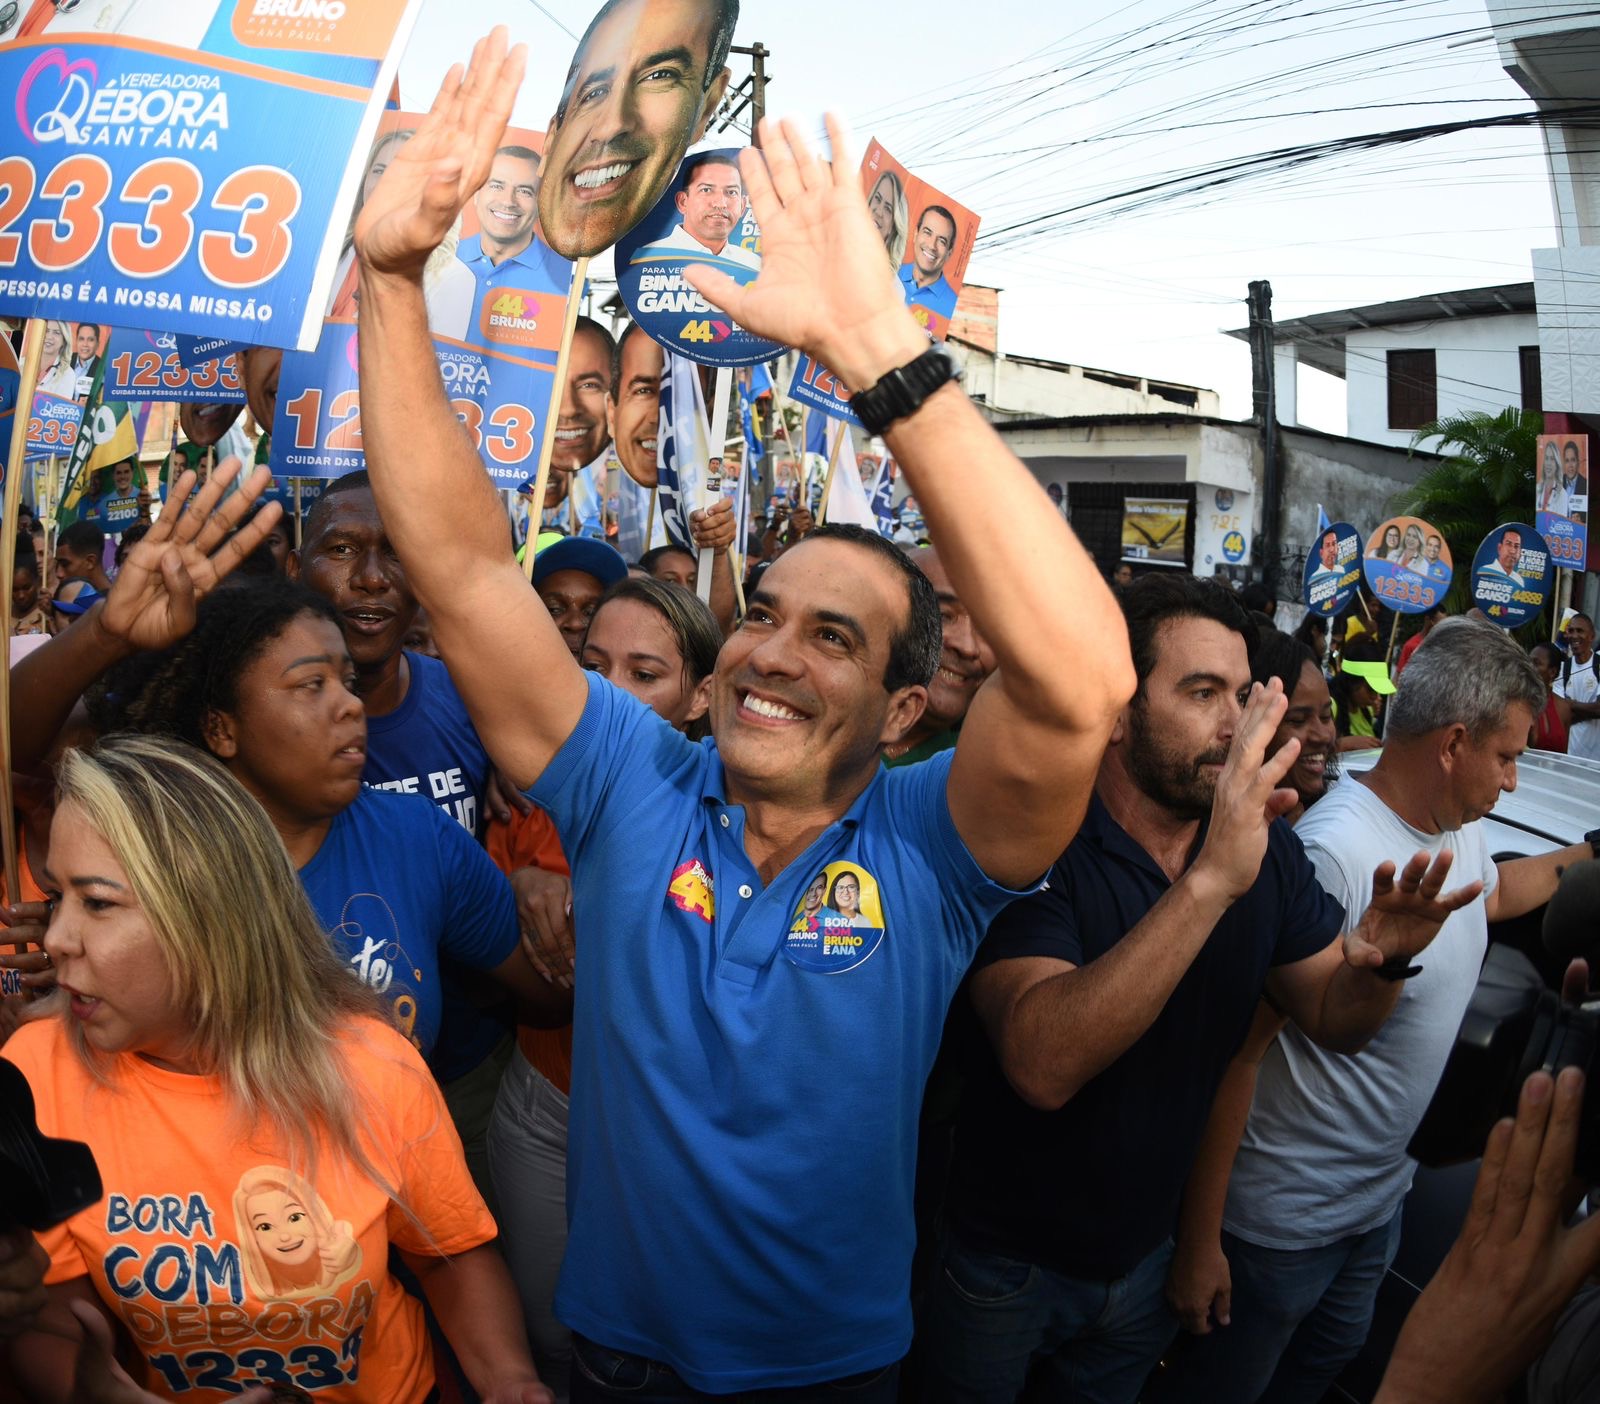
x=923, y=278
x=506, y=252
x=745, y=1094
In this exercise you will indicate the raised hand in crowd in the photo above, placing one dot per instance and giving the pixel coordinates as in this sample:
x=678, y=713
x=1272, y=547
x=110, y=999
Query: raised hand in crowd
x=1406, y=912
x=1494, y=1301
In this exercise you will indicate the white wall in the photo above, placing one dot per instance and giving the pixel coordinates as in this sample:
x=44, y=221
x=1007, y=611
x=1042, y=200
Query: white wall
x=1023, y=388
x=1476, y=360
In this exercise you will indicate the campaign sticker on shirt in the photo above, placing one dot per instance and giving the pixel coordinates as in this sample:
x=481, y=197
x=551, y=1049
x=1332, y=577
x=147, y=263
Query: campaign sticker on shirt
x=1408, y=565
x=691, y=890
x=1512, y=574
x=839, y=922
x=705, y=217
x=1333, y=570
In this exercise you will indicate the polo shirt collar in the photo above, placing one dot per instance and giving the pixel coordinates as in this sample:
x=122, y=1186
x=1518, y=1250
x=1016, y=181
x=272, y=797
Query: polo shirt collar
x=714, y=787
x=1101, y=829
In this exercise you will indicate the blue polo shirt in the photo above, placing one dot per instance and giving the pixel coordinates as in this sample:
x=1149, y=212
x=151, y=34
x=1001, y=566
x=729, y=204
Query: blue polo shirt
x=398, y=886
x=745, y=1094
x=938, y=297
x=1092, y=1189
x=537, y=269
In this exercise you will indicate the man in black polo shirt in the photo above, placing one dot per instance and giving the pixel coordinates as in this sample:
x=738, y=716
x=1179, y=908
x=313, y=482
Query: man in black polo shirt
x=1113, y=1001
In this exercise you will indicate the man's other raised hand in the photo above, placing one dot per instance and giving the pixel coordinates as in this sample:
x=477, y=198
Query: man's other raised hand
x=432, y=176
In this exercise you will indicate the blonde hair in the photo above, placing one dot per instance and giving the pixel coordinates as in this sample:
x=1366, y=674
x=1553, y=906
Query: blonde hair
x=268, y=1281
x=266, y=996
x=900, y=235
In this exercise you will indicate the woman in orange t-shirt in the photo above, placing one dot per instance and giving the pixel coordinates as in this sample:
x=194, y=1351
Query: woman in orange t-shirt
x=263, y=1136
x=659, y=642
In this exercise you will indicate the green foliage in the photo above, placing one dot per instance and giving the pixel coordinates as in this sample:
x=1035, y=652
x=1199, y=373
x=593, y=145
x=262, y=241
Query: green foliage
x=1485, y=478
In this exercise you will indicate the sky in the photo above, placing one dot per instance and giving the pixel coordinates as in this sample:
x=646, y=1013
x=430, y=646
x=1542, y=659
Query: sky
x=1023, y=111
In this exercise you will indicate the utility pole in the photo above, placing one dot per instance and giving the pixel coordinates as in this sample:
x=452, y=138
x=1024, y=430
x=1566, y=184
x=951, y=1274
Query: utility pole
x=1265, y=403
x=751, y=92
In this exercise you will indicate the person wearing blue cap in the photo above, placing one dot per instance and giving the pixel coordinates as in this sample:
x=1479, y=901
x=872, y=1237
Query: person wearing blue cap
x=745, y=1096
x=570, y=575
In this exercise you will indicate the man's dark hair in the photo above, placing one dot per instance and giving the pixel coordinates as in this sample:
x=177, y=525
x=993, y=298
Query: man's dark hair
x=317, y=517
x=129, y=539
x=169, y=693
x=914, y=649
x=1552, y=655
x=93, y=326
x=648, y=561
x=82, y=539
x=594, y=328
x=1576, y=617
x=1284, y=657
x=1257, y=598
x=522, y=153
x=716, y=55
x=701, y=159
x=940, y=210
x=1153, y=599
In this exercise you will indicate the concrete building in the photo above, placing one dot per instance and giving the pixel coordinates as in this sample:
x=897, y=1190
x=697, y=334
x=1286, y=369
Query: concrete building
x=1213, y=466
x=1032, y=387
x=1416, y=359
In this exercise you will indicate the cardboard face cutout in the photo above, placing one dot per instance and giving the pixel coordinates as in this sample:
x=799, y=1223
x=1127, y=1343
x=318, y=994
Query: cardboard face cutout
x=645, y=80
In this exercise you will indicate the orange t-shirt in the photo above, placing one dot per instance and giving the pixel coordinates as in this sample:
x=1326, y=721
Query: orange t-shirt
x=530, y=841
x=229, y=1269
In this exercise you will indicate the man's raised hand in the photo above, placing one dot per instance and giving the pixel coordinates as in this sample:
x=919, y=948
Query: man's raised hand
x=1405, y=914
x=1248, y=797
x=825, y=284
x=184, y=556
x=432, y=176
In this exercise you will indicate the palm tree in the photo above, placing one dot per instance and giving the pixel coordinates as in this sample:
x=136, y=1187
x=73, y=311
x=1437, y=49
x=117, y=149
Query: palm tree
x=1488, y=479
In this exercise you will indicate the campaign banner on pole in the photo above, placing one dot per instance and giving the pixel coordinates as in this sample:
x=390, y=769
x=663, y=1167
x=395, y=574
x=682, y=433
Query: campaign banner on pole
x=146, y=365
x=1561, y=498
x=1332, y=571
x=1512, y=574
x=496, y=297
x=183, y=164
x=928, y=238
x=1153, y=529
x=52, y=426
x=1408, y=565
x=703, y=218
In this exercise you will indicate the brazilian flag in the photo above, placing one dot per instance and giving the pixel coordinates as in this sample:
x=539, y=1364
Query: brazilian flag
x=107, y=436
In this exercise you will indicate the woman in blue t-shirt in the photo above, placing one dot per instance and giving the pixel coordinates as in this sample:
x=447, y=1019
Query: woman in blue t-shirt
x=259, y=676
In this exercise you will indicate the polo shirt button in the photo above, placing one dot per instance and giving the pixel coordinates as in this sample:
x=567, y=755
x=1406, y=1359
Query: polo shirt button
x=746, y=890
x=724, y=821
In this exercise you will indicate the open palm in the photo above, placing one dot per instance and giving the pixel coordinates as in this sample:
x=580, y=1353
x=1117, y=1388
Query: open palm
x=184, y=556
x=825, y=285
x=1405, y=914
x=432, y=176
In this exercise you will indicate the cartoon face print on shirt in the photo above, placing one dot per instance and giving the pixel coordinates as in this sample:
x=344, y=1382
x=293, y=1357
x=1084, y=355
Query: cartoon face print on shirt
x=839, y=922
x=291, y=1245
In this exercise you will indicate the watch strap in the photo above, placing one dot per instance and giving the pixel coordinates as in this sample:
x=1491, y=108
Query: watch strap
x=902, y=391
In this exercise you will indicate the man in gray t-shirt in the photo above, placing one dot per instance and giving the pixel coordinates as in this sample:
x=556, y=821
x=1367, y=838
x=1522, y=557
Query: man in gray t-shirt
x=1313, y=1209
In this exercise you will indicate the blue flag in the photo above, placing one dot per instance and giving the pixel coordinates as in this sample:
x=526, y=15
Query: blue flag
x=816, y=432
x=1322, y=520
x=682, y=452
x=883, y=499
x=754, y=452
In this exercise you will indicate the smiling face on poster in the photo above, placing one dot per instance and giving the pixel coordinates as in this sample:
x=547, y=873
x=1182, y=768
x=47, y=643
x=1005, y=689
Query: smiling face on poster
x=645, y=79
x=1332, y=571
x=703, y=218
x=1561, y=498
x=1511, y=574
x=183, y=164
x=1408, y=565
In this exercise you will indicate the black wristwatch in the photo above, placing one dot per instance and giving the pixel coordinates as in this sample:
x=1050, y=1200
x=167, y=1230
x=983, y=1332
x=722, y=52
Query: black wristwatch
x=902, y=392
x=1396, y=968
x=1592, y=838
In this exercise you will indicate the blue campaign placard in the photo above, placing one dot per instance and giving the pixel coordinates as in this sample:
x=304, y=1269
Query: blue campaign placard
x=501, y=397
x=192, y=172
x=1512, y=574
x=706, y=218
x=146, y=365
x=1332, y=571
x=1408, y=565
x=197, y=350
x=1567, y=538
x=52, y=426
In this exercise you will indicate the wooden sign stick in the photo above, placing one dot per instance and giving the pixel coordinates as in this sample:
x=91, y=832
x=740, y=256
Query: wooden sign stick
x=32, y=354
x=547, y=447
x=711, y=488
x=827, y=482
